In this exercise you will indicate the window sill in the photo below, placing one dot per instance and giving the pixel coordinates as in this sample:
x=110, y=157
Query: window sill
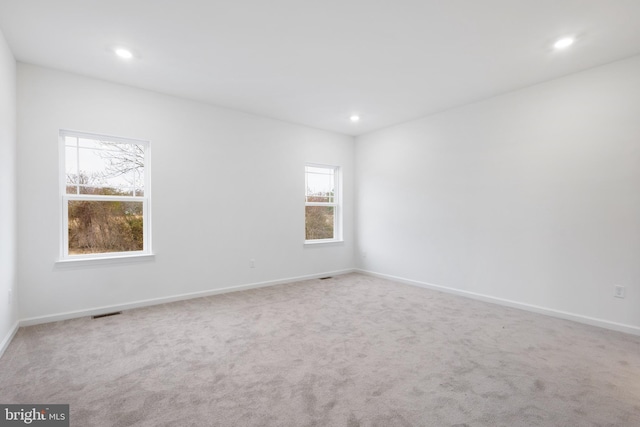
x=105, y=260
x=323, y=242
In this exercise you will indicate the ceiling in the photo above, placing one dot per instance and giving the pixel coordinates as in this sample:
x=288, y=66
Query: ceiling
x=318, y=62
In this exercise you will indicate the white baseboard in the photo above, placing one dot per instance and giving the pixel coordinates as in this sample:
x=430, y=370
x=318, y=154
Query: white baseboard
x=155, y=301
x=7, y=340
x=634, y=330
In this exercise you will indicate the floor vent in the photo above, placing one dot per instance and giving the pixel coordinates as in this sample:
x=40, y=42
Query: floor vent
x=325, y=278
x=100, y=316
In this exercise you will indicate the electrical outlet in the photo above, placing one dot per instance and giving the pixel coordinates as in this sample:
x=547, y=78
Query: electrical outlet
x=619, y=292
x=252, y=263
x=10, y=296
x=364, y=254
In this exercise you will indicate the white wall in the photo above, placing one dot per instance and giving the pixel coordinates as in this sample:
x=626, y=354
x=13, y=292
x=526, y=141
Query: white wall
x=532, y=197
x=8, y=239
x=227, y=187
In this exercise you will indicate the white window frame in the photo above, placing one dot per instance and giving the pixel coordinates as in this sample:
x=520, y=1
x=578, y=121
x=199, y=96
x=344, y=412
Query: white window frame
x=336, y=204
x=66, y=198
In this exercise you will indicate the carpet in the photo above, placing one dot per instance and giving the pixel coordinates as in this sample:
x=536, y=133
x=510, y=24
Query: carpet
x=349, y=351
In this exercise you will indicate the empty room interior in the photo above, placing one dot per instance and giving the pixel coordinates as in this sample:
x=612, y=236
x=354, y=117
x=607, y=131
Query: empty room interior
x=297, y=213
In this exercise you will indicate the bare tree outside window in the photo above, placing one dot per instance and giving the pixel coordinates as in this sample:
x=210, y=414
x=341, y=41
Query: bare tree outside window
x=126, y=160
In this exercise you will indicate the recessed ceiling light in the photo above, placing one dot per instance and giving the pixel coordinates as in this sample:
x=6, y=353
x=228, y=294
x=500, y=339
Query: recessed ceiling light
x=354, y=118
x=564, y=42
x=123, y=53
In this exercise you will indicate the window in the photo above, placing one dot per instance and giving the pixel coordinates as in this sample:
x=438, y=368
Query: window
x=104, y=188
x=322, y=204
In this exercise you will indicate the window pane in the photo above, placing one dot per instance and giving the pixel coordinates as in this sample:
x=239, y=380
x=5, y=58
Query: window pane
x=103, y=169
x=105, y=226
x=88, y=143
x=71, y=168
x=105, y=191
x=320, y=170
x=138, y=176
x=320, y=184
x=319, y=222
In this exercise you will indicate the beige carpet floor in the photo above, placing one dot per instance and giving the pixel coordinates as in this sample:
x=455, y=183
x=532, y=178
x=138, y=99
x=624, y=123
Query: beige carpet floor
x=348, y=351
